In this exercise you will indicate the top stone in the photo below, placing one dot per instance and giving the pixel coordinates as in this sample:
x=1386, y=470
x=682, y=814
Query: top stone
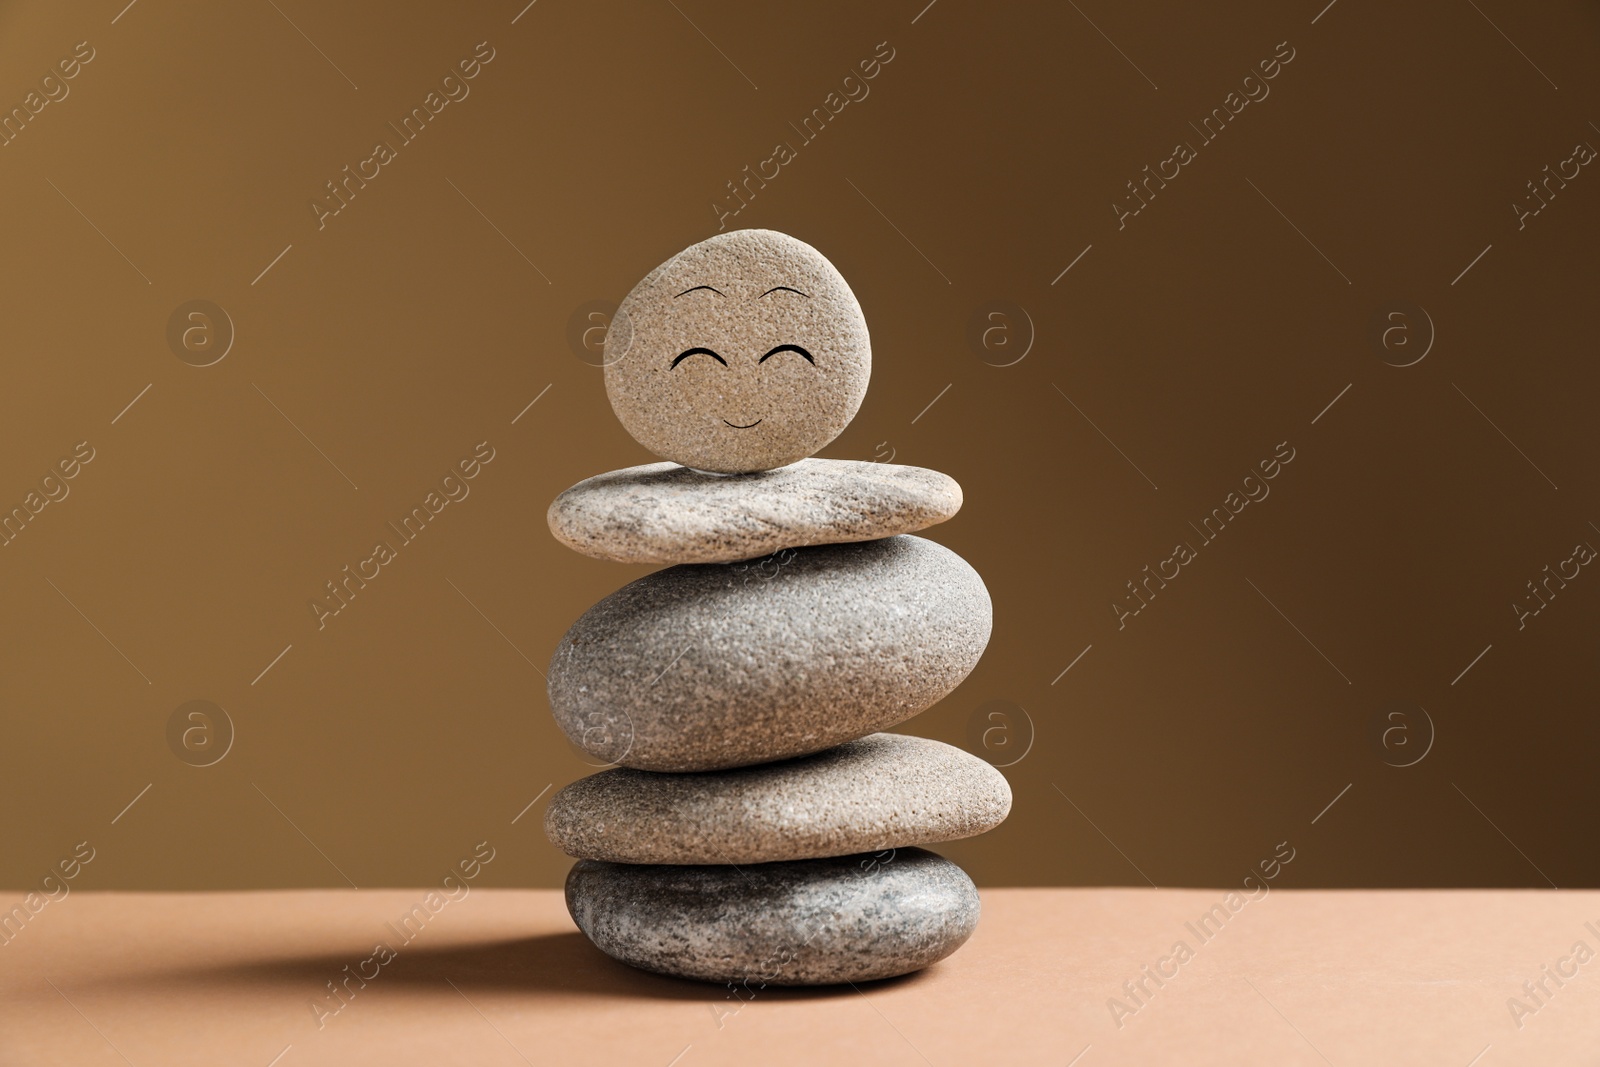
x=741, y=353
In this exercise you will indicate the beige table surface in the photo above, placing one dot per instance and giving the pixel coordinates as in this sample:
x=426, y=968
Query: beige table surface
x=502, y=977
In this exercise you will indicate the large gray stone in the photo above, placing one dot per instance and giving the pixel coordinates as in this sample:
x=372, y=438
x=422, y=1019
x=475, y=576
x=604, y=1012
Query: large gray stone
x=666, y=513
x=879, y=792
x=810, y=922
x=705, y=666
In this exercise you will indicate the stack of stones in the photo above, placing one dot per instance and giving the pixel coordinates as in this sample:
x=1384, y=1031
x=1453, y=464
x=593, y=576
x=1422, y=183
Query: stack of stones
x=758, y=829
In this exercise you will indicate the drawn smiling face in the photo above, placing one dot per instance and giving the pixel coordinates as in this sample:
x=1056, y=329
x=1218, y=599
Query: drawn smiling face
x=742, y=353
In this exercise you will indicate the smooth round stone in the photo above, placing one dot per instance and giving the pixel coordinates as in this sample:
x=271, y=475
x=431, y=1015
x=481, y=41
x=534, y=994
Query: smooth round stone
x=710, y=665
x=810, y=922
x=879, y=792
x=701, y=363
x=666, y=513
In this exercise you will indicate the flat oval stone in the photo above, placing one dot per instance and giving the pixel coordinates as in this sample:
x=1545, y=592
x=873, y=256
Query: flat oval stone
x=743, y=352
x=878, y=792
x=810, y=922
x=666, y=513
x=710, y=665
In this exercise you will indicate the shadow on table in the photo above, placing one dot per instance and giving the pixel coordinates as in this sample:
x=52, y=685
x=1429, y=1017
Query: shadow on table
x=564, y=963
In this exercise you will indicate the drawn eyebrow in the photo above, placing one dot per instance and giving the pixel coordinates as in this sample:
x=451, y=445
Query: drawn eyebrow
x=788, y=348
x=700, y=352
x=785, y=289
x=719, y=292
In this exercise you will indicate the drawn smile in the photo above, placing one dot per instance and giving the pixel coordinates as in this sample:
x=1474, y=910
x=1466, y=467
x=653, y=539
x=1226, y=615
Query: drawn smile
x=736, y=426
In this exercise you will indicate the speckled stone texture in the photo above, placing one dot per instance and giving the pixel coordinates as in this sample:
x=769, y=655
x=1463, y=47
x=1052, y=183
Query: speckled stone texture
x=747, y=402
x=758, y=831
x=666, y=513
x=878, y=792
x=810, y=922
x=705, y=666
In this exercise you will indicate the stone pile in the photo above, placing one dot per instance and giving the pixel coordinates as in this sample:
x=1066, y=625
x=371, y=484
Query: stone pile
x=758, y=827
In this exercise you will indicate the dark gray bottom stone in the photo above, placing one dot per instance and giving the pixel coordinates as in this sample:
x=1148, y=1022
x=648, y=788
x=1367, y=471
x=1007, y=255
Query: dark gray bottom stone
x=803, y=922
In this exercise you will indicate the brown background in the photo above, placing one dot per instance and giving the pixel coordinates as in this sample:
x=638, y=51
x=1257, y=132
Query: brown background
x=378, y=750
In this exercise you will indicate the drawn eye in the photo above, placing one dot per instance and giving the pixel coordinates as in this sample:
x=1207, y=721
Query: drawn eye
x=788, y=348
x=701, y=352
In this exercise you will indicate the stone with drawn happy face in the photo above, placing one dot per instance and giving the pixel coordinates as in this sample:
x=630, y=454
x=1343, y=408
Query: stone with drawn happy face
x=742, y=353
